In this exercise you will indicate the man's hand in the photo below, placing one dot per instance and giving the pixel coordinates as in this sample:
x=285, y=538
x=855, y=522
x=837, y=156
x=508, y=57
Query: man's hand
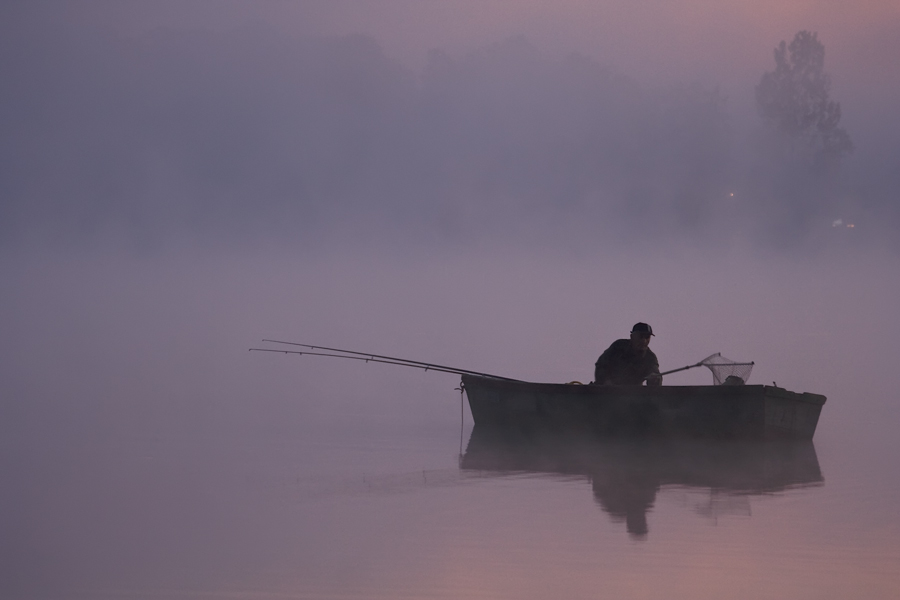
x=654, y=380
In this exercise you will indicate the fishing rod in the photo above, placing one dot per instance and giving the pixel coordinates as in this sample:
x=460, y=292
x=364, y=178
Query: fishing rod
x=363, y=358
x=380, y=358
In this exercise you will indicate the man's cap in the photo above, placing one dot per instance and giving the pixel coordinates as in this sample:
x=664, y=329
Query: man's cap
x=642, y=328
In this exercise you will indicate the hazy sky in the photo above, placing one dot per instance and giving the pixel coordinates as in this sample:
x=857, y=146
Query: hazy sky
x=258, y=115
x=718, y=41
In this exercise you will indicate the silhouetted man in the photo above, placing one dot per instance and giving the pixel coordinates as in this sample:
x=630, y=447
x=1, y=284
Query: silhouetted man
x=629, y=362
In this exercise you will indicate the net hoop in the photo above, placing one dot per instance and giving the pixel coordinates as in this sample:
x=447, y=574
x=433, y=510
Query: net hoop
x=726, y=371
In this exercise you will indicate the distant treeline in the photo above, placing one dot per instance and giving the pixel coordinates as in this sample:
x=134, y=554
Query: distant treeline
x=252, y=133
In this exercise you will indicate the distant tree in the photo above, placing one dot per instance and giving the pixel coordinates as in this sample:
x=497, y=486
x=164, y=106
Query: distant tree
x=795, y=99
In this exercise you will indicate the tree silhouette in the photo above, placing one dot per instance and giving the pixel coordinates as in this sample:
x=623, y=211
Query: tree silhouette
x=795, y=99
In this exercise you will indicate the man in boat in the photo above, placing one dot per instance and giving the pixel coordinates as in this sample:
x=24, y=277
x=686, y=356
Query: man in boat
x=629, y=362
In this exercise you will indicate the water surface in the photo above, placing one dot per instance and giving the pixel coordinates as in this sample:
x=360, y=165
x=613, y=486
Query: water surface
x=147, y=454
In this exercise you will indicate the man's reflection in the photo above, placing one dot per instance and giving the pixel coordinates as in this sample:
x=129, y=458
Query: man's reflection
x=626, y=496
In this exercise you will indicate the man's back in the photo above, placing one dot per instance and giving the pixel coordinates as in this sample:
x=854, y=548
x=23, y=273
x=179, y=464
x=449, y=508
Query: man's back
x=622, y=364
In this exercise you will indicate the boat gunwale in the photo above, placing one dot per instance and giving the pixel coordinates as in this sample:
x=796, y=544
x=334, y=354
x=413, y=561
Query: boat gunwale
x=590, y=389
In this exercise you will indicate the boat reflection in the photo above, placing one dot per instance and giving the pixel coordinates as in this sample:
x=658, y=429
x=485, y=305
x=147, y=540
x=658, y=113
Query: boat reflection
x=627, y=474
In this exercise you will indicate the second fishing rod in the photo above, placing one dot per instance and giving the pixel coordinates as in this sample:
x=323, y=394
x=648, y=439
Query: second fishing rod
x=380, y=358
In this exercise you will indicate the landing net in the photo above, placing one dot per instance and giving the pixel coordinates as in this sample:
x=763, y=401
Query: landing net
x=726, y=371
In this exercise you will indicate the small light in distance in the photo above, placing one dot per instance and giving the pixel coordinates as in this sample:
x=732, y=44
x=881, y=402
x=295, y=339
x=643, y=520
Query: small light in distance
x=851, y=225
x=837, y=223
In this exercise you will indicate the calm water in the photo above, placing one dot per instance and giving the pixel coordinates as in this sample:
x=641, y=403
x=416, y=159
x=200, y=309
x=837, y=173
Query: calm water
x=146, y=454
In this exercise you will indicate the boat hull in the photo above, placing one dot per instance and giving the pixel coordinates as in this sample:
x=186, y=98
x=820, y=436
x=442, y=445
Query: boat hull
x=744, y=411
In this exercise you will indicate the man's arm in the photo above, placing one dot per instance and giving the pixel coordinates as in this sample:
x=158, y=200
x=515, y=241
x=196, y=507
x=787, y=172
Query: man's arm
x=654, y=378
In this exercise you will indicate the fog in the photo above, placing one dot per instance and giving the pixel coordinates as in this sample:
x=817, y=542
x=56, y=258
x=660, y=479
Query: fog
x=499, y=186
x=152, y=125
x=171, y=333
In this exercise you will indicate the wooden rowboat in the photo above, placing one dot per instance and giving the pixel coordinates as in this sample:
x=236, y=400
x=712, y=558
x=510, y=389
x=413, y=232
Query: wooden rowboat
x=721, y=411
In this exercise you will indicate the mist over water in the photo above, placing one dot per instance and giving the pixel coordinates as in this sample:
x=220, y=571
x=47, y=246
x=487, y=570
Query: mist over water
x=257, y=133
x=502, y=189
x=147, y=451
